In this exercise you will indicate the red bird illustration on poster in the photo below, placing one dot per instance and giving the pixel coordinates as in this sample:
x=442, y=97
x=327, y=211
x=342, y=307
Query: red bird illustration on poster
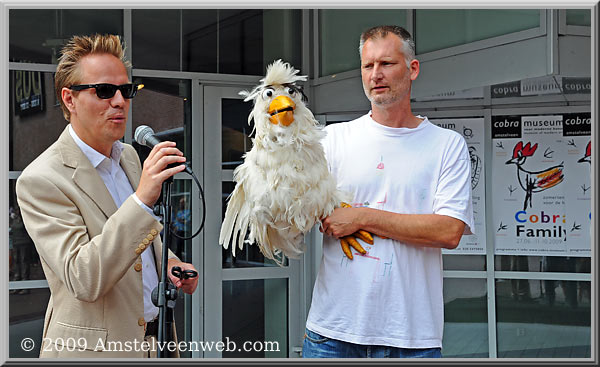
x=588, y=154
x=533, y=181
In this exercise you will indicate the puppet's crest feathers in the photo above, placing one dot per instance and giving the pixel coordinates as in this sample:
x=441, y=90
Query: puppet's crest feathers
x=278, y=73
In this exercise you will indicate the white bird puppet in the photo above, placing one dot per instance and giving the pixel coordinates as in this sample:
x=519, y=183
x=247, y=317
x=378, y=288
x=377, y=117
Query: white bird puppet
x=284, y=186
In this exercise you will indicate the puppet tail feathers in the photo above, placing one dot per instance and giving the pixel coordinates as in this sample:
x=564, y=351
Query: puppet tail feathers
x=235, y=224
x=274, y=243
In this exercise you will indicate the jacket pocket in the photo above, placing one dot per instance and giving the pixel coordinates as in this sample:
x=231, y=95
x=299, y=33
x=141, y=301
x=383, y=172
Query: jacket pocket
x=73, y=338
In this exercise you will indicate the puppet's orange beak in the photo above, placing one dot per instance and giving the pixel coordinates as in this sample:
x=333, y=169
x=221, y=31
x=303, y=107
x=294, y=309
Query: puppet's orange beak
x=281, y=110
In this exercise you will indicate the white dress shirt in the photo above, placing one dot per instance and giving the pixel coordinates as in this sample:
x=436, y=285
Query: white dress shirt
x=120, y=189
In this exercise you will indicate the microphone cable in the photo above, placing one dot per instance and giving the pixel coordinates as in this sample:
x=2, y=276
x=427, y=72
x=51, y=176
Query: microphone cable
x=201, y=196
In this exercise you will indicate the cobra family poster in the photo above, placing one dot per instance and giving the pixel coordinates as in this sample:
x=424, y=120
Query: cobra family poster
x=472, y=129
x=541, y=183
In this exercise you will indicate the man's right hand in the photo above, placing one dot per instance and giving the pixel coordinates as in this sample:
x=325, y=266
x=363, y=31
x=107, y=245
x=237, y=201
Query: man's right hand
x=154, y=172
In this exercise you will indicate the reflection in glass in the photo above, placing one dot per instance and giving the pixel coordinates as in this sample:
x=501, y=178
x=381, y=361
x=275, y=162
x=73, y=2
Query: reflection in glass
x=26, y=310
x=37, y=35
x=468, y=25
x=255, y=311
x=181, y=201
x=23, y=259
x=250, y=255
x=558, y=264
x=33, y=107
x=235, y=131
x=165, y=106
x=551, y=321
x=226, y=41
x=465, y=318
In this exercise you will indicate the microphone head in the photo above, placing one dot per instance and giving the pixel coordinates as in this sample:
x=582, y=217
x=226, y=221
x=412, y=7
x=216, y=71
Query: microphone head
x=142, y=133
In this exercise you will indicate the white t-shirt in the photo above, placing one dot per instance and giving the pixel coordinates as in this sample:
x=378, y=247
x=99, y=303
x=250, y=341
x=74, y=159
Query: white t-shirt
x=392, y=295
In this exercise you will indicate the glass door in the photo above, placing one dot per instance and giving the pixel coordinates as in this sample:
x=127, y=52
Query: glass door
x=250, y=303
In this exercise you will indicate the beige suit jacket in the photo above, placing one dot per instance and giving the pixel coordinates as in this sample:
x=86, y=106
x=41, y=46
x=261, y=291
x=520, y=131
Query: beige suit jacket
x=89, y=251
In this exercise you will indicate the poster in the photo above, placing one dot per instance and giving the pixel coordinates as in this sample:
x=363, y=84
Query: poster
x=472, y=129
x=541, y=181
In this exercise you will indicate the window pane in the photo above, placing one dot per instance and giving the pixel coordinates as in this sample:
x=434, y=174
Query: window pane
x=26, y=309
x=229, y=41
x=439, y=29
x=156, y=39
x=24, y=261
x=165, y=106
x=37, y=35
x=559, y=264
x=543, y=318
x=33, y=107
x=464, y=262
x=182, y=212
x=235, y=131
x=582, y=17
x=250, y=255
x=465, y=318
x=255, y=311
x=340, y=31
x=182, y=225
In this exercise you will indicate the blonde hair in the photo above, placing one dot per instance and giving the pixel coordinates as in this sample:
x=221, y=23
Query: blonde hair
x=68, y=72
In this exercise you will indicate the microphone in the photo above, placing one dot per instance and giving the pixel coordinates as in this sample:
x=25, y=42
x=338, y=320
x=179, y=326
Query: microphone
x=144, y=135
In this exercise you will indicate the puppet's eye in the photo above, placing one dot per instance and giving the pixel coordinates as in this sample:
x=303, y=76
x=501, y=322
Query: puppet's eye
x=291, y=91
x=267, y=93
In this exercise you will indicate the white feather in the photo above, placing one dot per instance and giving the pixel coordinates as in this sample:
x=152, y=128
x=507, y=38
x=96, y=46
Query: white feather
x=283, y=187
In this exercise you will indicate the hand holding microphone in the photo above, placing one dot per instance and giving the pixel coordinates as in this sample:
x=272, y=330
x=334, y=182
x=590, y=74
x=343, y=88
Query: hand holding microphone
x=155, y=169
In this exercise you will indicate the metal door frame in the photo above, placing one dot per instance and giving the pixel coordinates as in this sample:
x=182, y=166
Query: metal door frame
x=214, y=274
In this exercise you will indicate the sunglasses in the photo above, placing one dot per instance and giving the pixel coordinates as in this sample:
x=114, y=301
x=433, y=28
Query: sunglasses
x=106, y=91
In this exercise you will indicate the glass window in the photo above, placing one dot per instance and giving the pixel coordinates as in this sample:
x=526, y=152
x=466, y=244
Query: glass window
x=464, y=262
x=231, y=41
x=24, y=261
x=37, y=35
x=165, y=106
x=33, y=107
x=581, y=17
x=255, y=318
x=156, y=39
x=465, y=318
x=552, y=264
x=439, y=29
x=26, y=310
x=543, y=318
x=182, y=212
x=340, y=31
x=235, y=131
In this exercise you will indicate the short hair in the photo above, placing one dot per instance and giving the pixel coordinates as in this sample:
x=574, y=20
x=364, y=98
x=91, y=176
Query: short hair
x=68, y=72
x=380, y=31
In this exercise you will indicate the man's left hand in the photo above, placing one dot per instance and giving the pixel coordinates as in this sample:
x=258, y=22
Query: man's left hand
x=187, y=285
x=342, y=222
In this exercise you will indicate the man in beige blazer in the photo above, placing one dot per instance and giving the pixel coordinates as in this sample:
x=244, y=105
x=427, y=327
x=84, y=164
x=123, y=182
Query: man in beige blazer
x=86, y=203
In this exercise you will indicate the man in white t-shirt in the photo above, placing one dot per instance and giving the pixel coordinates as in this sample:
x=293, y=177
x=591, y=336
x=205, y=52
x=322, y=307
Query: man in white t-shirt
x=411, y=185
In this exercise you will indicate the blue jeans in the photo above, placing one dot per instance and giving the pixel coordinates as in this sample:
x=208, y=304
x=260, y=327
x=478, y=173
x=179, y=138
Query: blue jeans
x=318, y=346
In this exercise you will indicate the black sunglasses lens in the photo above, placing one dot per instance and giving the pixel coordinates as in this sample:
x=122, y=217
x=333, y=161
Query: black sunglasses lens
x=128, y=90
x=106, y=91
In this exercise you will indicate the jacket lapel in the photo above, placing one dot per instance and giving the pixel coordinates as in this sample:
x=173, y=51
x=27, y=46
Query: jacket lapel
x=85, y=175
x=131, y=170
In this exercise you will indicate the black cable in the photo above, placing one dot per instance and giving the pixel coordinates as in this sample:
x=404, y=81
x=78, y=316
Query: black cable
x=201, y=192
